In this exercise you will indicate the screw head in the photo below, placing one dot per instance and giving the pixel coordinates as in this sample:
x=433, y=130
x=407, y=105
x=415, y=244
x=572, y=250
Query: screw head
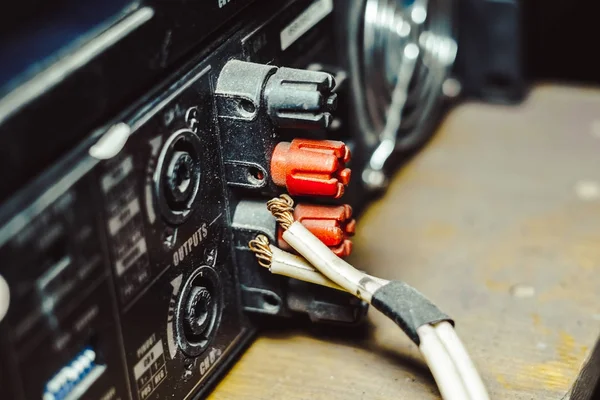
x=192, y=118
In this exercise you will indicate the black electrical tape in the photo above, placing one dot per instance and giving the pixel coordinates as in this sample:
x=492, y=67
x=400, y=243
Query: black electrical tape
x=407, y=307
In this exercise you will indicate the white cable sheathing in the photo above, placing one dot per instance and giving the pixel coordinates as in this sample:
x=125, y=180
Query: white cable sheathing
x=462, y=360
x=441, y=365
x=446, y=356
x=330, y=265
x=293, y=266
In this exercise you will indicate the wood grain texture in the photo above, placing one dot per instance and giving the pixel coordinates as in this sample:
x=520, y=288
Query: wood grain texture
x=498, y=222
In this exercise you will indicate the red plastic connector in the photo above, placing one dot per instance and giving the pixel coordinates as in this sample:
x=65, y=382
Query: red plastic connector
x=333, y=225
x=311, y=167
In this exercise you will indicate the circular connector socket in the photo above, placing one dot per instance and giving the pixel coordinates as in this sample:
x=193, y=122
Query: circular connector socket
x=198, y=311
x=177, y=176
x=180, y=178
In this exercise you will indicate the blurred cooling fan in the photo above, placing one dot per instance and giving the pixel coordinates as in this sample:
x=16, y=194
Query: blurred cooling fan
x=401, y=54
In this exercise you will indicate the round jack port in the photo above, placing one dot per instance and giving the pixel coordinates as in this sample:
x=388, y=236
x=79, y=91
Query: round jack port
x=198, y=311
x=180, y=177
x=177, y=176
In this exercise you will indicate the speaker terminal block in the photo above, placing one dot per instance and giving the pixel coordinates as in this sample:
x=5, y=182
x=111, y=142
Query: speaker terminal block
x=333, y=225
x=259, y=107
x=311, y=167
x=273, y=121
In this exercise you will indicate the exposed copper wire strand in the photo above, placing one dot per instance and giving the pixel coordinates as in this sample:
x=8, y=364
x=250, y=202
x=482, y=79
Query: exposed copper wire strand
x=260, y=247
x=282, y=208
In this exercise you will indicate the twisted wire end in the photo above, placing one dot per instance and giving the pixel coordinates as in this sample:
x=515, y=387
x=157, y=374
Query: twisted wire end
x=260, y=247
x=282, y=208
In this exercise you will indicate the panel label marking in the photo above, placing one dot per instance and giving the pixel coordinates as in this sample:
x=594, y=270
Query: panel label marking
x=112, y=179
x=137, y=251
x=188, y=245
x=172, y=346
x=150, y=371
x=124, y=216
x=210, y=360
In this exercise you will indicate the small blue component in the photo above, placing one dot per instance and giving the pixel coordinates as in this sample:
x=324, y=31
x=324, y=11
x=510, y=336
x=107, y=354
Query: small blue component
x=65, y=383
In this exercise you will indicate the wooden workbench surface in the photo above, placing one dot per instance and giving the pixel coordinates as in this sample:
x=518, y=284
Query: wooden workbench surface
x=498, y=222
